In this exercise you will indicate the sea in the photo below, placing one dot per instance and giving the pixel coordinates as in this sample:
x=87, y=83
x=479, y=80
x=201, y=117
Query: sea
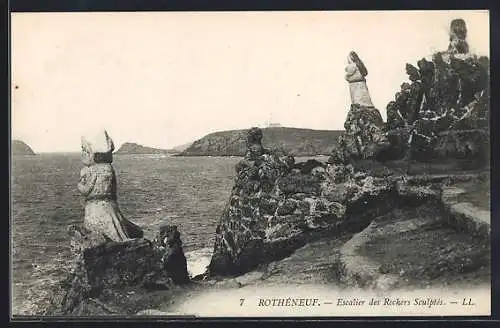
x=189, y=192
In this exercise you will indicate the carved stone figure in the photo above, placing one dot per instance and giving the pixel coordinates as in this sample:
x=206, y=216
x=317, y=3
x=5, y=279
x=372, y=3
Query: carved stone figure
x=450, y=92
x=98, y=188
x=355, y=73
x=458, y=34
x=254, y=144
x=364, y=136
x=174, y=260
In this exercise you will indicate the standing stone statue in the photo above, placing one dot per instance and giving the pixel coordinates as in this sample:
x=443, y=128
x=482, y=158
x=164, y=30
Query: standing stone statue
x=98, y=187
x=364, y=136
x=355, y=73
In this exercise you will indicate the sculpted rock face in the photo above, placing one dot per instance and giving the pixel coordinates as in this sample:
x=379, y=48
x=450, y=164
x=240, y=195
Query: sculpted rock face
x=98, y=188
x=174, y=261
x=277, y=205
x=448, y=93
x=364, y=128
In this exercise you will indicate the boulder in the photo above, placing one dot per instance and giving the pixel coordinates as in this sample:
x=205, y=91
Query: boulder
x=102, y=268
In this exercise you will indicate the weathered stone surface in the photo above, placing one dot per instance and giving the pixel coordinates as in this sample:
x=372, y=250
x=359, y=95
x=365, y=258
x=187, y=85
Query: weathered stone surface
x=272, y=213
x=102, y=268
x=465, y=216
x=412, y=247
x=449, y=93
x=464, y=144
x=107, y=266
x=82, y=239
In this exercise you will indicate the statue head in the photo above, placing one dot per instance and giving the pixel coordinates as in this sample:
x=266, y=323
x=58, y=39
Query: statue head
x=354, y=59
x=97, y=148
x=412, y=72
x=355, y=70
x=169, y=235
x=458, y=35
x=458, y=29
x=254, y=136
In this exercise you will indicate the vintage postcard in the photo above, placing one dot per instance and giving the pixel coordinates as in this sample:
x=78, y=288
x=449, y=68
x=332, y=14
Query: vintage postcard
x=250, y=164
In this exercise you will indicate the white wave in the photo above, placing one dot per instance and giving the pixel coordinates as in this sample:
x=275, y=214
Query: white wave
x=198, y=260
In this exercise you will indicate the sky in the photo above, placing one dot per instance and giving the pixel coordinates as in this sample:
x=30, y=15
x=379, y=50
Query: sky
x=164, y=79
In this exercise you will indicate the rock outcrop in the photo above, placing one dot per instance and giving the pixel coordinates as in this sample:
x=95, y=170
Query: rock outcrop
x=103, y=273
x=19, y=147
x=277, y=205
x=101, y=268
x=444, y=111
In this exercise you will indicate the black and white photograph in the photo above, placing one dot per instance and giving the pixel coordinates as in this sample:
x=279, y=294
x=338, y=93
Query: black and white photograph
x=250, y=164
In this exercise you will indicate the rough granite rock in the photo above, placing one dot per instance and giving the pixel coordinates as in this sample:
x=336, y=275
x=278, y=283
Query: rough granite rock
x=364, y=136
x=449, y=93
x=102, y=267
x=277, y=206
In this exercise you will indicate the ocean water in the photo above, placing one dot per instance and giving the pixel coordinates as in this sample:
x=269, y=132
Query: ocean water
x=189, y=192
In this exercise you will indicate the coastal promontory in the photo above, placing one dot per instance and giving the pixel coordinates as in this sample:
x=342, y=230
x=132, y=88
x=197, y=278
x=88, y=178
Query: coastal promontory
x=21, y=148
x=131, y=148
x=300, y=142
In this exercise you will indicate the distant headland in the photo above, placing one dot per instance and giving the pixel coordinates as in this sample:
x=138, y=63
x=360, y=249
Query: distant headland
x=300, y=142
x=134, y=148
x=21, y=148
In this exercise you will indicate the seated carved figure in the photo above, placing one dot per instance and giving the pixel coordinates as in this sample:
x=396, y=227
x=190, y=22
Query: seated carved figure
x=254, y=143
x=98, y=187
x=174, y=260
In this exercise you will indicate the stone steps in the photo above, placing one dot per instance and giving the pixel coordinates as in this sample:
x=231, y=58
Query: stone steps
x=465, y=216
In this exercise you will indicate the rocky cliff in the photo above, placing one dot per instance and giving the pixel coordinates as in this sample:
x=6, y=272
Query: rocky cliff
x=21, y=148
x=300, y=142
x=133, y=148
